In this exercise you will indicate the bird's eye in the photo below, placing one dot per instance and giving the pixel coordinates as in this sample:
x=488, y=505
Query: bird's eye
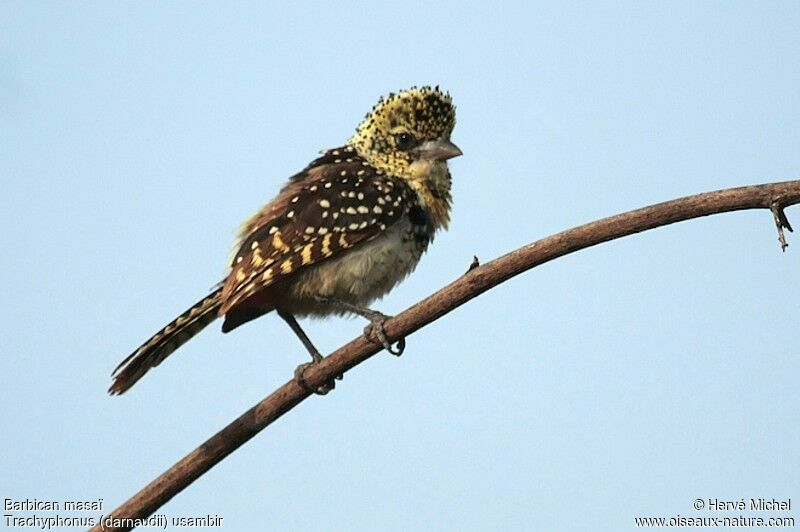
x=404, y=141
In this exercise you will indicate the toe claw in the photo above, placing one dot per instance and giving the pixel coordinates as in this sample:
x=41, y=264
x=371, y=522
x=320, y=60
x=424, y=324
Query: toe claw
x=300, y=379
x=375, y=330
x=401, y=346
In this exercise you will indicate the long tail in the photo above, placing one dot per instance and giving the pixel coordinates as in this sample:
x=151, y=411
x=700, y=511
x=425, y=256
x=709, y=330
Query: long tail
x=164, y=342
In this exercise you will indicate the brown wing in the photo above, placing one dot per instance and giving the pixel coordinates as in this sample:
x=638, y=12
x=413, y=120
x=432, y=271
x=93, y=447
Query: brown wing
x=336, y=203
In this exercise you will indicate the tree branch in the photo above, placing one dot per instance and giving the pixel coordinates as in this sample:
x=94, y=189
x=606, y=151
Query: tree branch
x=773, y=197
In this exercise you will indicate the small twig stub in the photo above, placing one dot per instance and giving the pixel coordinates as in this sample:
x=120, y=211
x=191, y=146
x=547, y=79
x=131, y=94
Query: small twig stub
x=475, y=263
x=781, y=222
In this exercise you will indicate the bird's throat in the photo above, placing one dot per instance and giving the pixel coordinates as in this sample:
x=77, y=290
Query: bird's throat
x=431, y=181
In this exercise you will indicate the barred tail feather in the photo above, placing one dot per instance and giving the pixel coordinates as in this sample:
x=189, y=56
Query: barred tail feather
x=151, y=353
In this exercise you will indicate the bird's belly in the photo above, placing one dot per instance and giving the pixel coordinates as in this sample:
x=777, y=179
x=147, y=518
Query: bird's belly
x=361, y=276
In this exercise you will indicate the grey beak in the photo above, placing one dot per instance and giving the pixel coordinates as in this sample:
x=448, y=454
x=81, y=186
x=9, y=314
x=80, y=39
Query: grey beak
x=437, y=150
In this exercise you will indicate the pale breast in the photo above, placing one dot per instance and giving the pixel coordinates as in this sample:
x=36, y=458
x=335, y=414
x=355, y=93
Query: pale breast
x=363, y=274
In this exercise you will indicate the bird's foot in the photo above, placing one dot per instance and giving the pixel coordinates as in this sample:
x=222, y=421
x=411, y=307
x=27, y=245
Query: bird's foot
x=375, y=330
x=300, y=378
x=375, y=327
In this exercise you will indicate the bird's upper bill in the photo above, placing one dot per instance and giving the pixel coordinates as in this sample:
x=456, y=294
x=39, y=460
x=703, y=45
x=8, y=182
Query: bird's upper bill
x=437, y=150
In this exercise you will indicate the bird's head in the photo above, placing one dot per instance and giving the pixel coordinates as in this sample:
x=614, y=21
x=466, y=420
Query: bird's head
x=412, y=126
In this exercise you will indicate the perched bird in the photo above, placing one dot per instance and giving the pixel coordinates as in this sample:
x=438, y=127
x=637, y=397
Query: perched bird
x=340, y=234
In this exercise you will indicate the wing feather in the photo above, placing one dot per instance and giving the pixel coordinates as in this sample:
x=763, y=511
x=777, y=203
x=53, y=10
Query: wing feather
x=336, y=203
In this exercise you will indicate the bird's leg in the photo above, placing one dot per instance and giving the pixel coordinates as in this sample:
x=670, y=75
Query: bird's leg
x=315, y=356
x=375, y=327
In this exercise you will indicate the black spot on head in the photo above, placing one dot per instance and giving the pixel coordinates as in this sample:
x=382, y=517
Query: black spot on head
x=432, y=100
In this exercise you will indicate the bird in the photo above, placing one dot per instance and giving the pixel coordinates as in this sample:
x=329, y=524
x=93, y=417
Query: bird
x=340, y=234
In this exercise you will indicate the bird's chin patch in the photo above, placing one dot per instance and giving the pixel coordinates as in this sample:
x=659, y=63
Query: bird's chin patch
x=431, y=181
x=428, y=170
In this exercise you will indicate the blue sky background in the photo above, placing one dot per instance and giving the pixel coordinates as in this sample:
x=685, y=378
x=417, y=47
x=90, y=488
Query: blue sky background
x=625, y=380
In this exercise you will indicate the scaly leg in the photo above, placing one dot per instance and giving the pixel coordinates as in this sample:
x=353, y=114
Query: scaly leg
x=315, y=356
x=375, y=327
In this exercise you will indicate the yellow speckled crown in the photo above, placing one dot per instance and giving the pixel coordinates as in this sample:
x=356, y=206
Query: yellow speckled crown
x=427, y=113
